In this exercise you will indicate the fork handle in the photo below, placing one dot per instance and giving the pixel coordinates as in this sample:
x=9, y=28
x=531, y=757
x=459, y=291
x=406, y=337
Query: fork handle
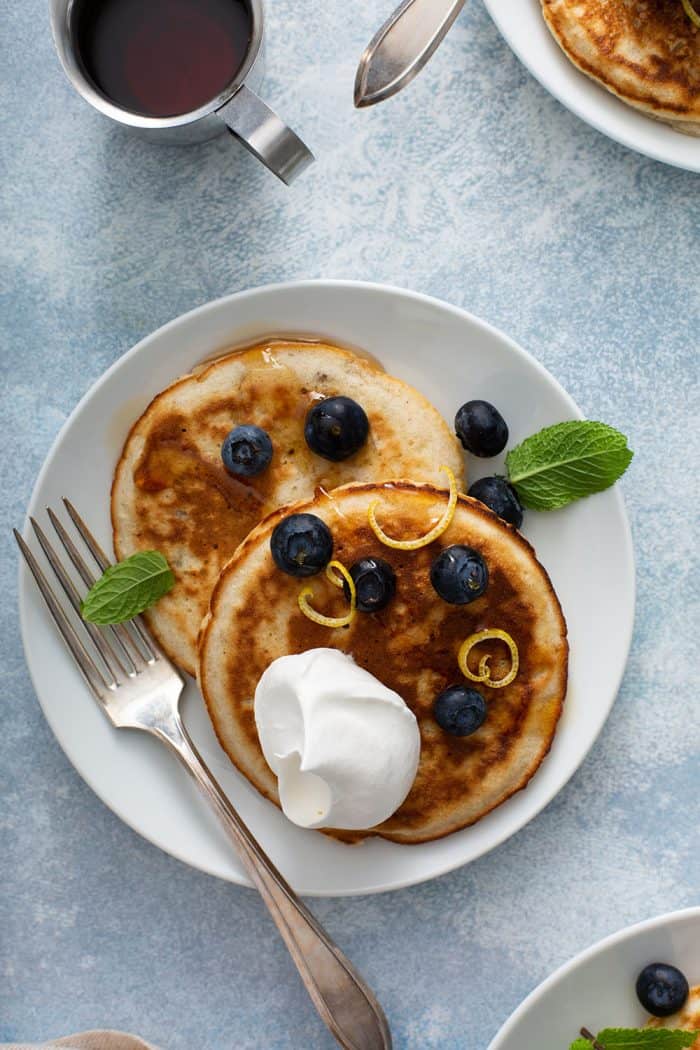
x=340, y=995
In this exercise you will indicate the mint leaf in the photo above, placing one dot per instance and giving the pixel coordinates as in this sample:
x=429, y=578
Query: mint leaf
x=646, y=1039
x=126, y=589
x=639, y=1039
x=566, y=462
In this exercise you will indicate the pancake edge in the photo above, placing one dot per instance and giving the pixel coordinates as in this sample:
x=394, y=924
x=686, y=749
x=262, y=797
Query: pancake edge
x=647, y=104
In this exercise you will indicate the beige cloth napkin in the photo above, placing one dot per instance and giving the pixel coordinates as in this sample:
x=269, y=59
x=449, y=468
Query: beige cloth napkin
x=87, y=1041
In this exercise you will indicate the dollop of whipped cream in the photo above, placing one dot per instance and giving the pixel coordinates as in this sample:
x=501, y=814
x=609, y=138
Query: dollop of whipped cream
x=343, y=746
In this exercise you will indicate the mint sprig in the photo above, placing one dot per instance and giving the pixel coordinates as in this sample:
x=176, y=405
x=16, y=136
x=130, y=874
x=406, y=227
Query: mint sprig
x=566, y=462
x=639, y=1039
x=128, y=588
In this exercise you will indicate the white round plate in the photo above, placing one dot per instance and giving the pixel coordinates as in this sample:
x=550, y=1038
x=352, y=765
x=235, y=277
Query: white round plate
x=525, y=30
x=451, y=357
x=596, y=989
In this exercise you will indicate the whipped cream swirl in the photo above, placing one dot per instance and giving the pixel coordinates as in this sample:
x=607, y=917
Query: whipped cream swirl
x=343, y=746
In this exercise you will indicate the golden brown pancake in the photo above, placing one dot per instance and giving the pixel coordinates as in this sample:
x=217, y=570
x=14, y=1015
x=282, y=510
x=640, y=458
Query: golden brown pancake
x=171, y=492
x=687, y=1019
x=647, y=52
x=411, y=646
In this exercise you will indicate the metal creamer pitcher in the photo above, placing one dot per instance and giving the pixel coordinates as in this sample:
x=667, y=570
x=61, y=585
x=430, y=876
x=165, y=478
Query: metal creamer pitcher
x=236, y=109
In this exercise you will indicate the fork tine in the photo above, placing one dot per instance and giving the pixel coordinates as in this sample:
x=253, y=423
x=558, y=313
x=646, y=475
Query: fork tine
x=90, y=541
x=118, y=631
x=86, y=575
x=104, y=563
x=144, y=638
x=99, y=640
x=89, y=669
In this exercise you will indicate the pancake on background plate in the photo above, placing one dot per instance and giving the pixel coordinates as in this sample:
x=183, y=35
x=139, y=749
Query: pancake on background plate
x=647, y=52
x=171, y=492
x=411, y=646
x=687, y=1019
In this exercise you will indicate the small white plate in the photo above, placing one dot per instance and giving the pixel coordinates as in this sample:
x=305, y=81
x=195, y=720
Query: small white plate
x=596, y=989
x=451, y=357
x=524, y=28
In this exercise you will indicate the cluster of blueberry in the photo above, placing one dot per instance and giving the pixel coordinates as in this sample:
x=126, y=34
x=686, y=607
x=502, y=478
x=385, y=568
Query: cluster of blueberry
x=302, y=545
x=483, y=431
x=335, y=428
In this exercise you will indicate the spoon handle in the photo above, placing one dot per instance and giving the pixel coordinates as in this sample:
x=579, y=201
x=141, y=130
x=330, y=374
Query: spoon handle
x=402, y=47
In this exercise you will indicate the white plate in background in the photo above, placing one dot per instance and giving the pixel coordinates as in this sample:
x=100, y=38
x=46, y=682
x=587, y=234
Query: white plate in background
x=522, y=25
x=451, y=357
x=596, y=989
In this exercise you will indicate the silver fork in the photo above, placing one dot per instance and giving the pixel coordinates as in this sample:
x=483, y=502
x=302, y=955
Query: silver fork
x=138, y=688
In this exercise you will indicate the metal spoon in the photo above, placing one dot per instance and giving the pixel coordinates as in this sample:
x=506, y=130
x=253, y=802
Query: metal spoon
x=402, y=47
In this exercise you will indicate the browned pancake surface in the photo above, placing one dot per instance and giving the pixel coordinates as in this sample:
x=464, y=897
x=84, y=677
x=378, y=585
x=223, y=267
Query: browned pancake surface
x=171, y=492
x=411, y=646
x=647, y=52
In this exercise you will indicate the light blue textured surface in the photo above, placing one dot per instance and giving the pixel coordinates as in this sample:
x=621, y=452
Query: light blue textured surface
x=475, y=186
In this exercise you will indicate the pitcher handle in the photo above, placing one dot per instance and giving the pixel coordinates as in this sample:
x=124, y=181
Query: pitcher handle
x=262, y=132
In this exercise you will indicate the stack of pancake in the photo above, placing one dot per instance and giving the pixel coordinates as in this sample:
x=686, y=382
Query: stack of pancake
x=232, y=611
x=647, y=52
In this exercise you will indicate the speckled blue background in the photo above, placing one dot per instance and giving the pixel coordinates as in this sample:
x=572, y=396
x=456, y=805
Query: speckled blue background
x=475, y=186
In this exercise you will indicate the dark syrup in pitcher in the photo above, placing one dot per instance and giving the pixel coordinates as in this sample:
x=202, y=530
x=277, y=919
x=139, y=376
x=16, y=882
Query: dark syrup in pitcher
x=162, y=58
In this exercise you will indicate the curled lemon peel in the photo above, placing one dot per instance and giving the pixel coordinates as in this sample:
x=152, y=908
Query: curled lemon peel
x=422, y=541
x=338, y=575
x=484, y=674
x=691, y=12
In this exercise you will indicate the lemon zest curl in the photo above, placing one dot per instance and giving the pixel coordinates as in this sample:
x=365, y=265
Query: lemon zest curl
x=484, y=674
x=338, y=576
x=422, y=541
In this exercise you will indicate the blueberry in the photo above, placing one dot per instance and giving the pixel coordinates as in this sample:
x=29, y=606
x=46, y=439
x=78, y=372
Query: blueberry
x=459, y=574
x=375, y=582
x=247, y=451
x=336, y=428
x=662, y=989
x=481, y=428
x=301, y=545
x=500, y=497
x=460, y=710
